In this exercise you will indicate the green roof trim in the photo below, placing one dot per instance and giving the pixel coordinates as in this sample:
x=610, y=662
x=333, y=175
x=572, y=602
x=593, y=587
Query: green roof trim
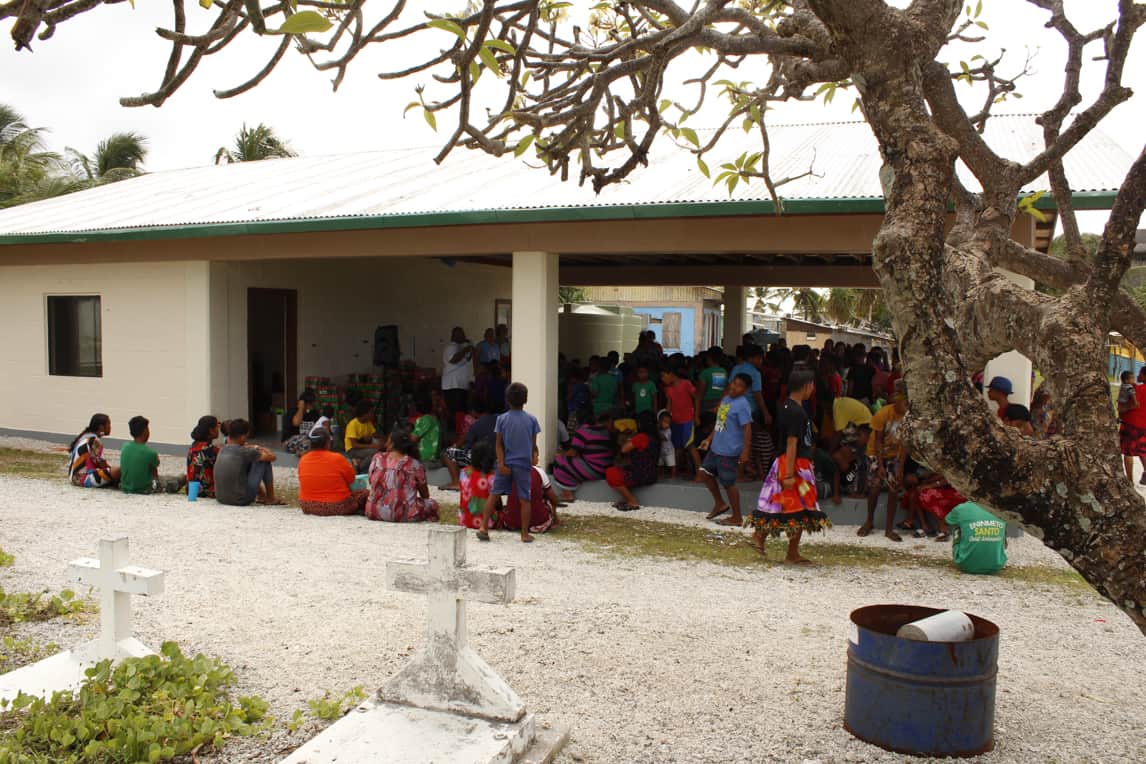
x=1090, y=200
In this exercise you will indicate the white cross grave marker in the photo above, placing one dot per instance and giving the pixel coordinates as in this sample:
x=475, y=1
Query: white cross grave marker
x=446, y=675
x=117, y=582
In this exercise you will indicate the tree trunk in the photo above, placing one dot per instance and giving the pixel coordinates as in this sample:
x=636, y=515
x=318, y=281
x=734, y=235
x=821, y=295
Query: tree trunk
x=952, y=312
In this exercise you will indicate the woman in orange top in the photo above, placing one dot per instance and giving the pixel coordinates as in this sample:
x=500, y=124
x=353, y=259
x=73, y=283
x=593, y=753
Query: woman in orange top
x=324, y=480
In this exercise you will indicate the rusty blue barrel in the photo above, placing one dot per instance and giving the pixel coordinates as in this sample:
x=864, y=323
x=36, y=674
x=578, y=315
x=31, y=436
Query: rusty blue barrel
x=922, y=698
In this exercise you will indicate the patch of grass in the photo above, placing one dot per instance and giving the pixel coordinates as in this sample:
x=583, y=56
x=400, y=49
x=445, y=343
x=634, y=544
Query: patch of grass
x=630, y=537
x=15, y=653
x=32, y=464
x=1041, y=574
x=16, y=607
x=6, y=559
x=627, y=537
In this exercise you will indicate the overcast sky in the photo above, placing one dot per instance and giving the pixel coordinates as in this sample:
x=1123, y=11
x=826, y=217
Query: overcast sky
x=72, y=86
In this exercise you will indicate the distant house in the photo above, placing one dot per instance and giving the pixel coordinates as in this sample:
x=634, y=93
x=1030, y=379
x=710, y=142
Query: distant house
x=685, y=319
x=797, y=331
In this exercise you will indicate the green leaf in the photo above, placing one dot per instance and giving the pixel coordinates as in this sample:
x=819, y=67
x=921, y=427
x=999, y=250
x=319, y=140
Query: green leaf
x=487, y=58
x=475, y=71
x=690, y=135
x=448, y=26
x=978, y=8
x=411, y=105
x=501, y=45
x=619, y=130
x=305, y=22
x=204, y=3
x=703, y=167
x=982, y=24
x=431, y=120
x=664, y=104
x=523, y=145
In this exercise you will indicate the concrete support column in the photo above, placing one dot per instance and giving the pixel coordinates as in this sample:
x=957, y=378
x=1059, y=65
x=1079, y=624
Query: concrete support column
x=735, y=317
x=534, y=332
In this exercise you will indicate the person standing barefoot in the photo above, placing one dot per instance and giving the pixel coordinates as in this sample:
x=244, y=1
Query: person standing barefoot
x=788, y=502
x=516, y=433
x=729, y=446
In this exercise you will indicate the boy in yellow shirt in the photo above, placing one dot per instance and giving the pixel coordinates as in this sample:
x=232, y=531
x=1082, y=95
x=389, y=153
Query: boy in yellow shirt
x=887, y=458
x=360, y=436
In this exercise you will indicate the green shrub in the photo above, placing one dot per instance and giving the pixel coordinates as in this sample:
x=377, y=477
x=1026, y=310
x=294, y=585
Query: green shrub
x=40, y=606
x=142, y=710
x=15, y=653
x=329, y=707
x=6, y=559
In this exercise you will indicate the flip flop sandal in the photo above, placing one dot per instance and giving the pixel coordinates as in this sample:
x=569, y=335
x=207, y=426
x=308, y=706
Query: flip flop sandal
x=863, y=530
x=943, y=537
x=482, y=536
x=716, y=513
x=628, y=508
x=728, y=521
x=893, y=536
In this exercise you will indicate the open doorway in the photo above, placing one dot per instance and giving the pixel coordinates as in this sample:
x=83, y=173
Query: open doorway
x=272, y=352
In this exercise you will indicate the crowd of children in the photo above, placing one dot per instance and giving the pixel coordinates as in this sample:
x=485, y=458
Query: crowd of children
x=809, y=423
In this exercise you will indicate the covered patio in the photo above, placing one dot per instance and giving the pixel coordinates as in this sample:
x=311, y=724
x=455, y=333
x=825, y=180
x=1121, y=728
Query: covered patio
x=359, y=241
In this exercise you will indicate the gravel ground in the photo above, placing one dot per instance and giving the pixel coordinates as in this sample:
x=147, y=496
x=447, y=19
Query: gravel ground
x=647, y=660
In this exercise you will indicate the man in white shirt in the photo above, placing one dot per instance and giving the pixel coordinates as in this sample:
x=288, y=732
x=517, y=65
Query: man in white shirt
x=457, y=373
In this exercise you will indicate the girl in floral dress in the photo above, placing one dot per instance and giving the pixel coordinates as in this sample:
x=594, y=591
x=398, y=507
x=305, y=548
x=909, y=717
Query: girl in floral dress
x=788, y=503
x=475, y=483
x=399, y=492
x=86, y=466
x=202, y=454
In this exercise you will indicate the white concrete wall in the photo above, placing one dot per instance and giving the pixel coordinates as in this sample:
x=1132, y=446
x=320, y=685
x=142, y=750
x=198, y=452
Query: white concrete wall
x=155, y=348
x=340, y=303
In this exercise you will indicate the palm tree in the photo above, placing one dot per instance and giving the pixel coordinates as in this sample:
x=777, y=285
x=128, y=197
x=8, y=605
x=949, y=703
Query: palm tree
x=117, y=157
x=806, y=302
x=840, y=305
x=253, y=144
x=857, y=306
x=27, y=171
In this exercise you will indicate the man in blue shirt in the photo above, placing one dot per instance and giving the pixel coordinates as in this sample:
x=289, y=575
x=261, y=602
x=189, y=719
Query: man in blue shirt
x=488, y=350
x=729, y=446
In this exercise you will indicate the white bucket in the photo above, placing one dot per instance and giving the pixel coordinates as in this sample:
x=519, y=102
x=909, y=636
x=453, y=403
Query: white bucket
x=948, y=626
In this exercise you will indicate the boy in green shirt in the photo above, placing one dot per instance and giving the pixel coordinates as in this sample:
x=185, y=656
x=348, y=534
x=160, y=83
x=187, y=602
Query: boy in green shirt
x=710, y=386
x=644, y=392
x=602, y=387
x=139, y=463
x=979, y=539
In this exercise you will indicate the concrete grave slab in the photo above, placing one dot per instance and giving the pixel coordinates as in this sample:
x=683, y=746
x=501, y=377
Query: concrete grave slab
x=117, y=582
x=447, y=705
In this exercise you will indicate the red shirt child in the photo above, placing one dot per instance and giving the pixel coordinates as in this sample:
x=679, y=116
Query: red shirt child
x=681, y=395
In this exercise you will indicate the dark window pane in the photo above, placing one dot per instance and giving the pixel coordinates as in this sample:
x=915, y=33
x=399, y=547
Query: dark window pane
x=74, y=337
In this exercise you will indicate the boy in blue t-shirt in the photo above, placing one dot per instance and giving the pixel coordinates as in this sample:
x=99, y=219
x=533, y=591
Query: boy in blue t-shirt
x=729, y=446
x=516, y=433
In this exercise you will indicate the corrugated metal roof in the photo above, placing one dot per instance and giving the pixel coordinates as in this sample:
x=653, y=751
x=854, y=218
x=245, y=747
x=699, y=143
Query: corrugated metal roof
x=396, y=183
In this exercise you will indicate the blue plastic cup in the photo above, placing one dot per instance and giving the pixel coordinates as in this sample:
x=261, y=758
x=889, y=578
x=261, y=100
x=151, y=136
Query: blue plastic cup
x=193, y=490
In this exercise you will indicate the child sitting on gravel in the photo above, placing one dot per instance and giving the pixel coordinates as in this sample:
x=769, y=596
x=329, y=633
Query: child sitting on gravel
x=475, y=483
